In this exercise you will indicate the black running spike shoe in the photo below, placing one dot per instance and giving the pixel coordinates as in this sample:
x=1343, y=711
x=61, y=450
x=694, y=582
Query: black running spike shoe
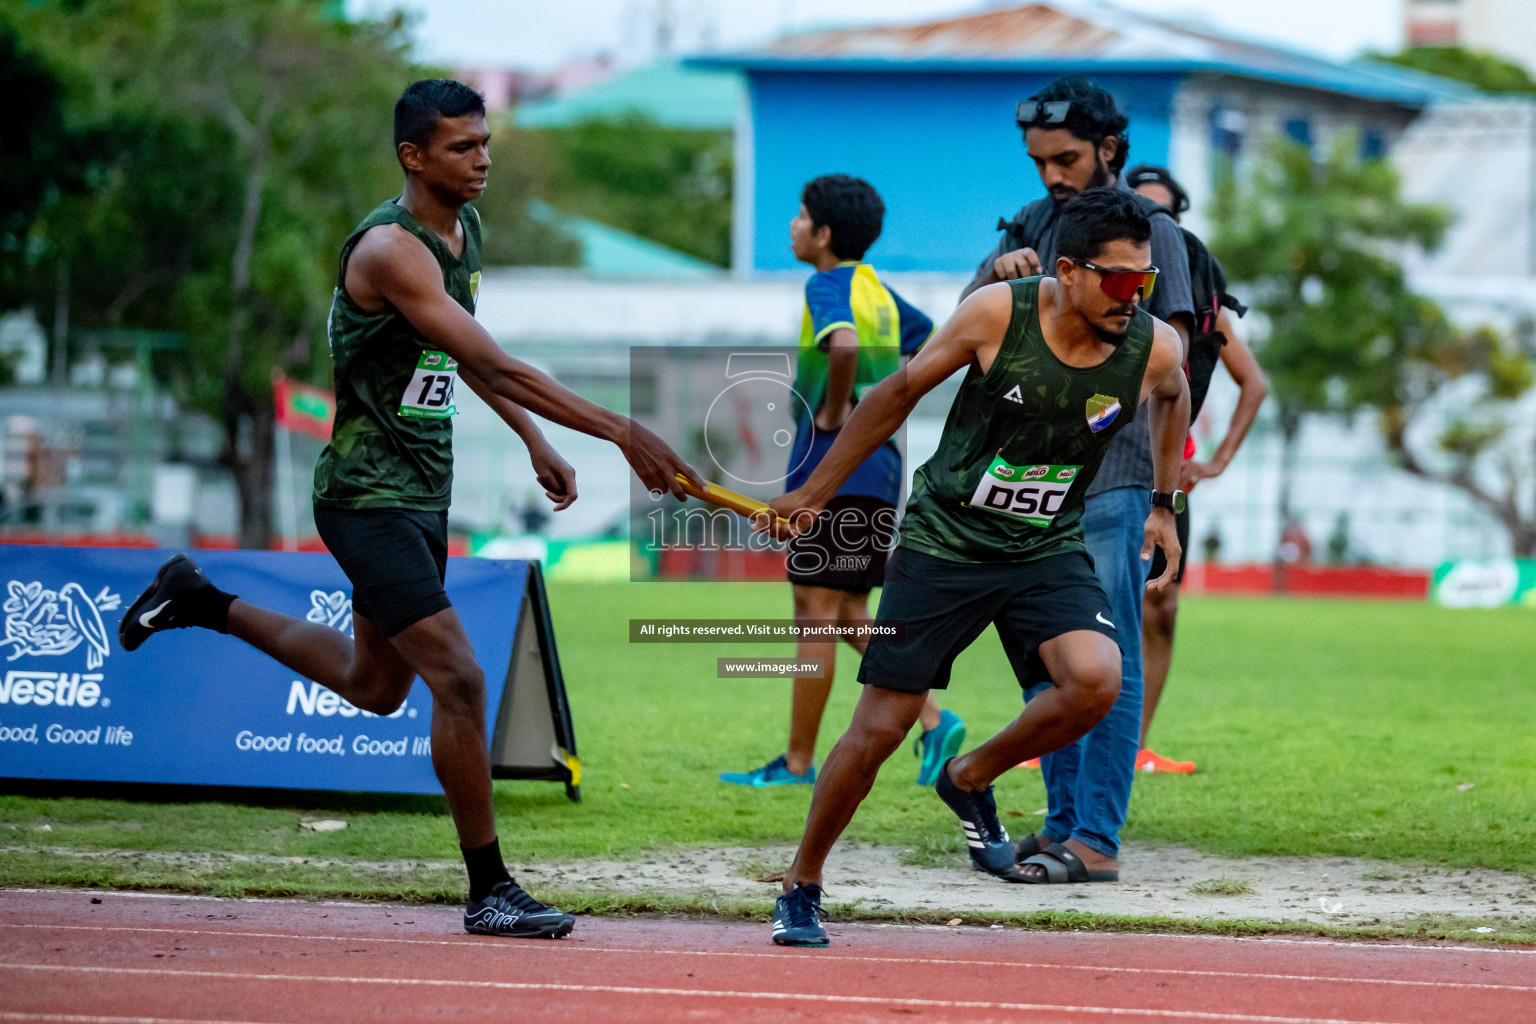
x=797, y=917
x=508, y=910
x=181, y=596
x=991, y=850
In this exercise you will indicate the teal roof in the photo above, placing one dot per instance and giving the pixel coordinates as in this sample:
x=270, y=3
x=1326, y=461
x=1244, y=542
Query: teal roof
x=608, y=252
x=666, y=92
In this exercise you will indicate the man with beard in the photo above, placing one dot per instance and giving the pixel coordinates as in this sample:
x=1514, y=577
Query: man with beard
x=1076, y=137
x=1056, y=367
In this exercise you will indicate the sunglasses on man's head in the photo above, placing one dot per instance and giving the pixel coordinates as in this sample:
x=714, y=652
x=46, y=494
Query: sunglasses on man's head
x=1033, y=112
x=1121, y=285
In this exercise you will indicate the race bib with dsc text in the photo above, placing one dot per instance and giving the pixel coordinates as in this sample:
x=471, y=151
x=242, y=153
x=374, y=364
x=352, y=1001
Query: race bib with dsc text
x=429, y=395
x=1031, y=493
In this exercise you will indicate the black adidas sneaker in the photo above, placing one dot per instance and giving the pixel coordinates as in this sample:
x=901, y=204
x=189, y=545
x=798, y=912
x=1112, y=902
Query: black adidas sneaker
x=991, y=850
x=797, y=917
x=181, y=596
x=508, y=910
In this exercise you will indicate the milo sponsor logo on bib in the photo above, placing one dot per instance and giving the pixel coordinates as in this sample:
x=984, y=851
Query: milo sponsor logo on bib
x=429, y=395
x=1033, y=493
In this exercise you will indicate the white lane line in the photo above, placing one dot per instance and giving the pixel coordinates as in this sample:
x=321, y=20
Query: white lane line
x=572, y=947
x=84, y=1018
x=635, y=990
x=1364, y=943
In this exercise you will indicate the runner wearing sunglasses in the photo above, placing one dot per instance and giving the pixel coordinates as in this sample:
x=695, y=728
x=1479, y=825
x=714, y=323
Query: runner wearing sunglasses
x=994, y=529
x=1076, y=136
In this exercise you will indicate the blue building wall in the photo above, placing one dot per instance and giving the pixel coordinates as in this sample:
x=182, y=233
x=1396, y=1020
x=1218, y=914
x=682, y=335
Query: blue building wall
x=942, y=149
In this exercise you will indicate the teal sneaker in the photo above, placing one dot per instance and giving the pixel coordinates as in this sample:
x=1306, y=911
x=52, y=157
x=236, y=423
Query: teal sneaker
x=774, y=773
x=937, y=745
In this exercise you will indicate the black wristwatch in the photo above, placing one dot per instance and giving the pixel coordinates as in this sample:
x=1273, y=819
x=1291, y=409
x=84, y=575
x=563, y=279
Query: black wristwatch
x=1174, y=501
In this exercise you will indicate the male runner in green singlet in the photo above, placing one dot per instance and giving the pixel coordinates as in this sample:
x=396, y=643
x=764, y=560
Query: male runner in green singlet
x=992, y=532
x=402, y=330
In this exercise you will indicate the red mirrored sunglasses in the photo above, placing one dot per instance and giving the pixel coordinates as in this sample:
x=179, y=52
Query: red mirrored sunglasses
x=1122, y=285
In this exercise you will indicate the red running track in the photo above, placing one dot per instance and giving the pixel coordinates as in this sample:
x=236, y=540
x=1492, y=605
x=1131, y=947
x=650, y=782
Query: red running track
x=112, y=958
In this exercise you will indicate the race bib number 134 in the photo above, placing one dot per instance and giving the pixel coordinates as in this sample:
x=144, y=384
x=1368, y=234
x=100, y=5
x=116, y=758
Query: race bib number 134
x=1034, y=494
x=429, y=395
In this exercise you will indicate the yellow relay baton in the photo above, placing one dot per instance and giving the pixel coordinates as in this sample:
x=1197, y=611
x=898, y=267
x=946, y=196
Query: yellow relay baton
x=728, y=499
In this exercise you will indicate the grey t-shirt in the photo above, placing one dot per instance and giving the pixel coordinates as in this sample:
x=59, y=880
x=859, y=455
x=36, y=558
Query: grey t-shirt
x=1128, y=460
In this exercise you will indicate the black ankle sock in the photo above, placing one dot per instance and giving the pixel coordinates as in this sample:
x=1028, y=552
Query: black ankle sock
x=212, y=609
x=486, y=869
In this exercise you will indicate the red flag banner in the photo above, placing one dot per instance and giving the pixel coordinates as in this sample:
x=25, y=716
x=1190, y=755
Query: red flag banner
x=302, y=408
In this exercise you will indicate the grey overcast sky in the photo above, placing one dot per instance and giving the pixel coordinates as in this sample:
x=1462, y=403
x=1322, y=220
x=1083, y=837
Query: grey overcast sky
x=545, y=33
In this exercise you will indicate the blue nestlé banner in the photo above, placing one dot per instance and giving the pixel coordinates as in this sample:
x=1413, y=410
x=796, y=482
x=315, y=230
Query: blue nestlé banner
x=193, y=706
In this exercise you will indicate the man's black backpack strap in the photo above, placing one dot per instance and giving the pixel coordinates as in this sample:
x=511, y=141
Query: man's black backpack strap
x=1028, y=226
x=1208, y=284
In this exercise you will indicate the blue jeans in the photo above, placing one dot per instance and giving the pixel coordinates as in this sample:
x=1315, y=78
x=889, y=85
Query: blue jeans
x=1088, y=783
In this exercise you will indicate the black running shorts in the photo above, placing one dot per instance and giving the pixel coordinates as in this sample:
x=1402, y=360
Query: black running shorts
x=946, y=605
x=847, y=546
x=396, y=559
x=1160, y=561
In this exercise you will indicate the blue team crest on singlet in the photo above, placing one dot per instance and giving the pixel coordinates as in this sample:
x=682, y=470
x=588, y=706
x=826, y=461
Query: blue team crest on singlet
x=1102, y=411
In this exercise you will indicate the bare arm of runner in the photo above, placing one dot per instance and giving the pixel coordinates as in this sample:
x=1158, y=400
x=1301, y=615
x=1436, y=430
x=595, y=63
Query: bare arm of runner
x=842, y=368
x=391, y=267
x=1238, y=358
x=552, y=472
x=1166, y=394
x=972, y=336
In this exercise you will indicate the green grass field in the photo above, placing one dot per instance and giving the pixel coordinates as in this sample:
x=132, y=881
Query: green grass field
x=1320, y=727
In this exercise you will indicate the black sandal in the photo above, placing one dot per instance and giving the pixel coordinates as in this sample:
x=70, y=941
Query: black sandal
x=1062, y=865
x=1029, y=846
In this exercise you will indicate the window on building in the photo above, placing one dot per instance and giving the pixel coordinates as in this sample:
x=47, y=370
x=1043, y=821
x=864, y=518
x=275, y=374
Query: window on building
x=1299, y=129
x=1227, y=129
x=1373, y=143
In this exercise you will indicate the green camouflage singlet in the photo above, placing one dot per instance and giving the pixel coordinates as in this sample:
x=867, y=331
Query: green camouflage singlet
x=1021, y=445
x=392, y=442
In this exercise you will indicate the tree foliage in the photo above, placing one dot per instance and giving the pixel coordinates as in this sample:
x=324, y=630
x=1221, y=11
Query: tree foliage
x=1488, y=72
x=670, y=185
x=42, y=153
x=1318, y=245
x=523, y=167
x=233, y=145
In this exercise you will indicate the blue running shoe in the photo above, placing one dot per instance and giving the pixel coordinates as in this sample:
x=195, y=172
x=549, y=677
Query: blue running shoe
x=797, y=917
x=991, y=850
x=937, y=745
x=774, y=773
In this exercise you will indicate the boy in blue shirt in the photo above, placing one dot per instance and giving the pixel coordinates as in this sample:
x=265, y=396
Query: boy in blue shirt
x=854, y=333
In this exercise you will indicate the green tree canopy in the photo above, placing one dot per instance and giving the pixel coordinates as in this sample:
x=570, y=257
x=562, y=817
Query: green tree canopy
x=234, y=145
x=1320, y=245
x=1488, y=72
x=670, y=185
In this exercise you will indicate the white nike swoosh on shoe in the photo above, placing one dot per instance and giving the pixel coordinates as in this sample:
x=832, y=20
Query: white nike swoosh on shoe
x=1101, y=618
x=145, y=619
